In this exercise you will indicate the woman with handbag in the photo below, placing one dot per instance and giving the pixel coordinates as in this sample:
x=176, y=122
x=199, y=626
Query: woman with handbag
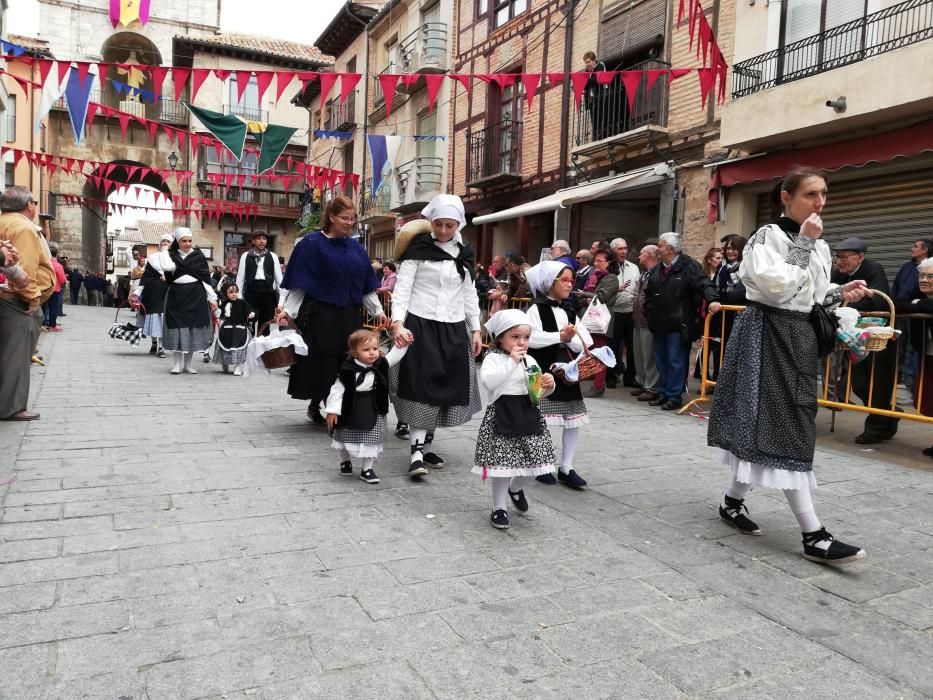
x=329, y=279
x=556, y=337
x=601, y=288
x=764, y=411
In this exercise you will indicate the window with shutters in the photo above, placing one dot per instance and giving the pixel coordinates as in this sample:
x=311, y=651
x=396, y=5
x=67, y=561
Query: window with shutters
x=803, y=19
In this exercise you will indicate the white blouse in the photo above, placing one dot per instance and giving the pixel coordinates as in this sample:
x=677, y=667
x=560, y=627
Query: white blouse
x=542, y=339
x=500, y=375
x=334, y=402
x=785, y=273
x=432, y=289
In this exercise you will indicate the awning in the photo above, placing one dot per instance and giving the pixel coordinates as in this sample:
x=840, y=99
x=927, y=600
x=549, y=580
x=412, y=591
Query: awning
x=582, y=193
x=902, y=143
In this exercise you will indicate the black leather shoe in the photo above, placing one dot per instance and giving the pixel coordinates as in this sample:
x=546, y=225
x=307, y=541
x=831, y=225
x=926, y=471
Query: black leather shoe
x=550, y=479
x=658, y=401
x=671, y=405
x=928, y=452
x=519, y=500
x=868, y=439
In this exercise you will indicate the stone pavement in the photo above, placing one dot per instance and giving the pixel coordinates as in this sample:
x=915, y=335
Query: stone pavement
x=189, y=536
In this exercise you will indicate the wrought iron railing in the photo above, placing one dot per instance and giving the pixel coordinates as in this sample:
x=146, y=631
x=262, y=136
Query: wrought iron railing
x=341, y=116
x=253, y=114
x=264, y=197
x=378, y=97
x=889, y=29
x=376, y=203
x=426, y=47
x=495, y=150
x=604, y=111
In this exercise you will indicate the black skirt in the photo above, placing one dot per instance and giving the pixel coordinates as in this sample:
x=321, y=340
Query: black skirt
x=186, y=306
x=435, y=370
x=325, y=328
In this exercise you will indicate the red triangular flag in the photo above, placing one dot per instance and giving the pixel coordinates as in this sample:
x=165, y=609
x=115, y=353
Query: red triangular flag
x=555, y=78
x=604, y=77
x=465, y=80
x=578, y=81
x=242, y=82
x=530, y=81
x=306, y=79
x=241, y=180
x=263, y=80
x=219, y=150
x=675, y=73
x=180, y=136
x=680, y=13
x=355, y=178
x=158, y=74
x=348, y=82
x=91, y=113
x=388, y=81
x=63, y=68
x=631, y=79
x=433, y=82
x=180, y=79
x=707, y=77
x=44, y=67
x=222, y=73
x=169, y=133
x=69, y=165
x=152, y=127
x=124, y=120
x=706, y=35
x=653, y=76
x=503, y=80
x=131, y=171
x=409, y=80
x=83, y=67
x=327, y=82
x=198, y=76
x=332, y=176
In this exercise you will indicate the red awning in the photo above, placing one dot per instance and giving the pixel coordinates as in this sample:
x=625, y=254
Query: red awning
x=902, y=143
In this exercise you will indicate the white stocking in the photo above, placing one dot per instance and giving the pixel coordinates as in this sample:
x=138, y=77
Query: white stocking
x=568, y=440
x=801, y=502
x=737, y=490
x=416, y=438
x=344, y=455
x=500, y=493
x=517, y=483
x=367, y=464
x=188, y=356
x=179, y=358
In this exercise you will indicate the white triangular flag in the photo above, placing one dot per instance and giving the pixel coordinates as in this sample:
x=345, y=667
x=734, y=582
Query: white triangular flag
x=52, y=90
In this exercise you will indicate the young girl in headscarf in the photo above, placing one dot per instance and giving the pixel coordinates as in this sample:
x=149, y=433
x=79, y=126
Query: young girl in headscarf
x=150, y=291
x=435, y=307
x=513, y=442
x=554, y=338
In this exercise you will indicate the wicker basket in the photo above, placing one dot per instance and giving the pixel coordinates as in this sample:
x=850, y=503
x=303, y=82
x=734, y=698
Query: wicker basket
x=277, y=358
x=878, y=340
x=587, y=368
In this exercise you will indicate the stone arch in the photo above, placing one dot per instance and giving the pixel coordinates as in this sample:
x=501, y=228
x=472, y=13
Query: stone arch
x=94, y=218
x=129, y=47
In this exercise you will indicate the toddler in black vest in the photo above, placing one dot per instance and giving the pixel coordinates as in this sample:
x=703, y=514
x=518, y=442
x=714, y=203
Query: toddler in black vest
x=358, y=403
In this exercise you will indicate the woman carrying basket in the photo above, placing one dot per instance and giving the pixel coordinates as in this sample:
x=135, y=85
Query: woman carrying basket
x=764, y=411
x=328, y=280
x=554, y=336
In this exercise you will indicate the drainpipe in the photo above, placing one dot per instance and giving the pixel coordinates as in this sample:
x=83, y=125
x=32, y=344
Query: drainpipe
x=565, y=95
x=366, y=79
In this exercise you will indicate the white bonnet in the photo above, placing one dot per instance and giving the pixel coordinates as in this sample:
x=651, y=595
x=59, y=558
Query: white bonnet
x=501, y=321
x=542, y=276
x=182, y=232
x=446, y=206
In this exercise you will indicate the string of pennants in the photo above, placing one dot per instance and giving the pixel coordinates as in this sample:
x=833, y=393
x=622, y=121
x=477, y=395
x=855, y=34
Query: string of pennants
x=208, y=208
x=195, y=77
x=313, y=175
x=715, y=67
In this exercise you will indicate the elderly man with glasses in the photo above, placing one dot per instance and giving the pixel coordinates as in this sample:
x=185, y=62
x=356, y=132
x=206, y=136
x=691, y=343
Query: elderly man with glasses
x=560, y=251
x=20, y=314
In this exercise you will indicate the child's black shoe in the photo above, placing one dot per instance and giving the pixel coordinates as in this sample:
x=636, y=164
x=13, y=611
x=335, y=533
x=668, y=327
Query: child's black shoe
x=369, y=476
x=499, y=519
x=346, y=469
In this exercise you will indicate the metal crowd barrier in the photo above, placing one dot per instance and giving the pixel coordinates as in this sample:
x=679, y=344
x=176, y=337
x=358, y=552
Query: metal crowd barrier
x=830, y=395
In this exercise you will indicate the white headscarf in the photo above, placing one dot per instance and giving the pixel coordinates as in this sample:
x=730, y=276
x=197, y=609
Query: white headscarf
x=501, y=321
x=446, y=206
x=542, y=276
x=181, y=232
x=167, y=237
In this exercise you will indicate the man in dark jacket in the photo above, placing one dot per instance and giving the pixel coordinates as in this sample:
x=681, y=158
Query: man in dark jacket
x=851, y=264
x=672, y=299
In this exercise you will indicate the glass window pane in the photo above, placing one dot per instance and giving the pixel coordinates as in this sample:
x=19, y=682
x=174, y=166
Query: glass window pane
x=519, y=6
x=803, y=19
x=482, y=7
x=502, y=16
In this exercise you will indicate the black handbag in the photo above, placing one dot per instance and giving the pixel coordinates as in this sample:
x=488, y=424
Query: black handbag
x=824, y=326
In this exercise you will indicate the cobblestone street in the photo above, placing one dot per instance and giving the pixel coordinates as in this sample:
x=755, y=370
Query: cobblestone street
x=190, y=537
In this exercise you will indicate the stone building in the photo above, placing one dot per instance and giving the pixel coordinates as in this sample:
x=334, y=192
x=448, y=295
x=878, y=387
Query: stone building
x=183, y=34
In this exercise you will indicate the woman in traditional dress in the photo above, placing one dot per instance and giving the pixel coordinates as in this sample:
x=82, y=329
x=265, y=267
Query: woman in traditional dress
x=328, y=280
x=150, y=291
x=435, y=306
x=764, y=412
x=189, y=302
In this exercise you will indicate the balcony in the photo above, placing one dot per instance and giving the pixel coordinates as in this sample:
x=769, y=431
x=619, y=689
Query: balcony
x=250, y=114
x=376, y=207
x=378, y=112
x=341, y=117
x=167, y=109
x=604, y=118
x=272, y=202
x=494, y=155
x=808, y=73
x=880, y=32
x=423, y=51
x=420, y=179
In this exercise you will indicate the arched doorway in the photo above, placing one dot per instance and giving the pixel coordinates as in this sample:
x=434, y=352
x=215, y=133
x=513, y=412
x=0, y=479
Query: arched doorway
x=129, y=48
x=95, y=218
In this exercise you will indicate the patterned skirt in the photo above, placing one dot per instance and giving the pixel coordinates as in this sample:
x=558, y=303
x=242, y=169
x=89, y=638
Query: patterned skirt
x=512, y=455
x=565, y=414
x=362, y=444
x=764, y=409
x=152, y=325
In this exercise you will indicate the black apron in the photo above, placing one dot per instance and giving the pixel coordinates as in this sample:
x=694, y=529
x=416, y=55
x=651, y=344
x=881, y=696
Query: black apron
x=363, y=414
x=517, y=416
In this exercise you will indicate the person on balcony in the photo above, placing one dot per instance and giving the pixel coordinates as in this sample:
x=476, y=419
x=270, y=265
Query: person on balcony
x=259, y=275
x=597, y=97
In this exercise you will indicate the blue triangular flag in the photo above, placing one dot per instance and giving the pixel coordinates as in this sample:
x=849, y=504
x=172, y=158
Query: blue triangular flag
x=379, y=154
x=77, y=97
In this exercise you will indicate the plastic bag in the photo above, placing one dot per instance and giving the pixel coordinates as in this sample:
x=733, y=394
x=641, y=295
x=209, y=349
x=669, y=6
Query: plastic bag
x=535, y=386
x=597, y=317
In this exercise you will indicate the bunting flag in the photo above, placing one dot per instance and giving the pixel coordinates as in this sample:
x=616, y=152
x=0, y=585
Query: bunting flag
x=124, y=89
x=272, y=142
x=125, y=12
x=53, y=85
x=328, y=134
x=379, y=156
x=77, y=99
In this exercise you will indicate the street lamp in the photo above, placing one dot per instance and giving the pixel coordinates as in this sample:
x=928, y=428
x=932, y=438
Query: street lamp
x=173, y=164
x=173, y=160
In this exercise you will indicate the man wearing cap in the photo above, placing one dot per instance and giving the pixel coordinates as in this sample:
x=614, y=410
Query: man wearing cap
x=851, y=264
x=259, y=277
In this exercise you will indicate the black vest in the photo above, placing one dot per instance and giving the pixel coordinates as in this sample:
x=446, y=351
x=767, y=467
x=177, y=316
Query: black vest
x=550, y=354
x=380, y=393
x=255, y=285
